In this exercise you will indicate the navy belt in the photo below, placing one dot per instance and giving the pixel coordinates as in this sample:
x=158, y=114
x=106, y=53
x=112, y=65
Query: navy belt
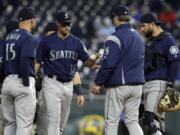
x=59, y=79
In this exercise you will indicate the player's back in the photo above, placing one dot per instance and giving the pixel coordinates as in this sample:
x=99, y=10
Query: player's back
x=130, y=67
x=15, y=43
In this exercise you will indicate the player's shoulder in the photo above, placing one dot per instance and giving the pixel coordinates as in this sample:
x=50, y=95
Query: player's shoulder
x=51, y=36
x=75, y=39
x=23, y=34
x=114, y=38
x=167, y=38
x=2, y=41
x=47, y=38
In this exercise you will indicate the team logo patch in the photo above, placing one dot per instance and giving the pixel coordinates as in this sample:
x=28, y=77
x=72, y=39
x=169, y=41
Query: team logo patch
x=174, y=50
x=106, y=51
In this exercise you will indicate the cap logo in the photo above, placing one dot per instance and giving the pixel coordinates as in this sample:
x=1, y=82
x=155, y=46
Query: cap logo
x=66, y=15
x=125, y=12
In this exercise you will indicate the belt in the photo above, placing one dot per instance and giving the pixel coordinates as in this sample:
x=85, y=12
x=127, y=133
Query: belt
x=58, y=78
x=128, y=84
x=29, y=76
x=16, y=75
x=156, y=79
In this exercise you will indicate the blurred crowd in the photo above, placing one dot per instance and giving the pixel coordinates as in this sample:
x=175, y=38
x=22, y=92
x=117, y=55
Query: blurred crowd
x=91, y=20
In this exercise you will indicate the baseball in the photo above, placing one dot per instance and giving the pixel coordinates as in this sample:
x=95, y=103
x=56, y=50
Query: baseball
x=93, y=57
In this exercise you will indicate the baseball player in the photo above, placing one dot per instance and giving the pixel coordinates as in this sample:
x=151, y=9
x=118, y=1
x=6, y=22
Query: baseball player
x=41, y=119
x=41, y=122
x=122, y=74
x=18, y=91
x=60, y=52
x=1, y=61
x=10, y=25
x=162, y=59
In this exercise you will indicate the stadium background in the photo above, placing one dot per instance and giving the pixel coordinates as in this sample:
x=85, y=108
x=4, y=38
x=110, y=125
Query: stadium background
x=92, y=25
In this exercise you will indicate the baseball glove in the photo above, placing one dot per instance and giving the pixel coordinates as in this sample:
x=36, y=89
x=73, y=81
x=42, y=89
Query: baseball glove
x=170, y=102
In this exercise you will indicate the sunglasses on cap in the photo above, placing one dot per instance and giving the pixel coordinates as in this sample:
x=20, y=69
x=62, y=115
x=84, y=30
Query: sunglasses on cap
x=64, y=24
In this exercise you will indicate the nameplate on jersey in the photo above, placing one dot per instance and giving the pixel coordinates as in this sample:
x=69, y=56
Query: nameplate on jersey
x=13, y=36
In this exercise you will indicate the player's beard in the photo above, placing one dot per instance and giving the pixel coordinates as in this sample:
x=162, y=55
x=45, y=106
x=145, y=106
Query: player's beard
x=148, y=33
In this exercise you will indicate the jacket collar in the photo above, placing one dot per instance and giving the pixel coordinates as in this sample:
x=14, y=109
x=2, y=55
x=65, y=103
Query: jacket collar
x=126, y=25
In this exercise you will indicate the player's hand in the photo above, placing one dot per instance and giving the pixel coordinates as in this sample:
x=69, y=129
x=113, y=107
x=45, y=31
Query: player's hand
x=95, y=89
x=95, y=56
x=96, y=66
x=80, y=101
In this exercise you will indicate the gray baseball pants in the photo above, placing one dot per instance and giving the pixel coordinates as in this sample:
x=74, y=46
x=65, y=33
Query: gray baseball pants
x=126, y=99
x=18, y=104
x=58, y=98
x=41, y=122
x=153, y=92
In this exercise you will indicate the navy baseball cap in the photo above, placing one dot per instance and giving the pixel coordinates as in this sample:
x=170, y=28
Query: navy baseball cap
x=11, y=25
x=149, y=18
x=26, y=14
x=51, y=26
x=119, y=10
x=64, y=17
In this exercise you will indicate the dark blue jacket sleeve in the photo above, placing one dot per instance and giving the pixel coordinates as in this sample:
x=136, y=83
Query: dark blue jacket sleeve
x=174, y=71
x=24, y=72
x=41, y=51
x=173, y=55
x=83, y=54
x=27, y=55
x=110, y=60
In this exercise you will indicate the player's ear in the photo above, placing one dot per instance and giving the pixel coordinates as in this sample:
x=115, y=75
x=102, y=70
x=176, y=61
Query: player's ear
x=33, y=22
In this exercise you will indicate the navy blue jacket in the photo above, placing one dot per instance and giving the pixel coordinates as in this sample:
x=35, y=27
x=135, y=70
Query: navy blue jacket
x=123, y=58
x=162, y=59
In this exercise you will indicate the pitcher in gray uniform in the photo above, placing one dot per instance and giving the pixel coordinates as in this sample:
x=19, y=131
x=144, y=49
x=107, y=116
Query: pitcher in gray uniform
x=122, y=74
x=59, y=53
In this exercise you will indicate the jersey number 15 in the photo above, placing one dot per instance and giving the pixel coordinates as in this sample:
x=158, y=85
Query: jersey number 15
x=10, y=52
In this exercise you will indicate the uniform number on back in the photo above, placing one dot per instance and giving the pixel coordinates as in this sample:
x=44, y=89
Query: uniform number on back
x=10, y=52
